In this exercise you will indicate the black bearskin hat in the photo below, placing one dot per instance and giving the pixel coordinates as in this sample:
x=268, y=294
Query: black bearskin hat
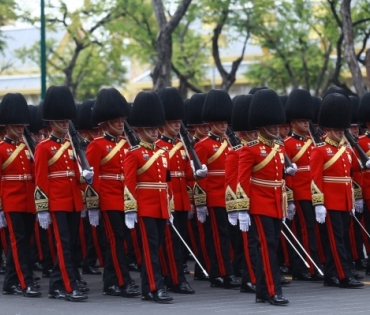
x=364, y=108
x=84, y=113
x=173, y=104
x=14, y=110
x=336, y=89
x=355, y=102
x=266, y=109
x=239, y=116
x=109, y=104
x=316, y=104
x=36, y=123
x=254, y=89
x=59, y=104
x=299, y=105
x=335, y=112
x=147, y=110
x=195, y=108
x=217, y=106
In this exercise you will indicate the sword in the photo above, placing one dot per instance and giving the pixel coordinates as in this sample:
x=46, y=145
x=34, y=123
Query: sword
x=300, y=245
x=361, y=225
x=291, y=244
x=192, y=254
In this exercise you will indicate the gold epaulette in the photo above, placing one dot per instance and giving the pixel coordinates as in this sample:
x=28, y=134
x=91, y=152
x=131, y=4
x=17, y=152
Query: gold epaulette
x=252, y=143
x=92, y=198
x=200, y=196
x=130, y=201
x=41, y=200
x=317, y=195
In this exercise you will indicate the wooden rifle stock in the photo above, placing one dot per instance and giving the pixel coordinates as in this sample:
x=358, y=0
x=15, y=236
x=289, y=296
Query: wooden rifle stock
x=189, y=145
x=354, y=144
x=79, y=147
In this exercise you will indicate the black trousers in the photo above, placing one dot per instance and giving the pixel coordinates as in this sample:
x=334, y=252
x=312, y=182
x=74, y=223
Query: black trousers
x=64, y=273
x=333, y=234
x=115, y=266
x=174, y=249
x=249, y=261
x=305, y=221
x=218, y=242
x=356, y=241
x=18, y=258
x=152, y=235
x=266, y=232
x=45, y=245
x=96, y=243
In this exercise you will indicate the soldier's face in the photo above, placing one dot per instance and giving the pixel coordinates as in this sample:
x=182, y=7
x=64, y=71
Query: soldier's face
x=252, y=135
x=219, y=127
x=172, y=128
x=14, y=131
x=284, y=131
x=300, y=126
x=201, y=130
x=148, y=134
x=354, y=131
x=61, y=125
x=115, y=127
x=335, y=134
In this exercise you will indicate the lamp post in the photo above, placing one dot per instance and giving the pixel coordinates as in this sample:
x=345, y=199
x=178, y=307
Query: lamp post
x=43, y=51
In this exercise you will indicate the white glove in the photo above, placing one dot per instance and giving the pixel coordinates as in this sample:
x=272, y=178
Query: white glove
x=88, y=175
x=353, y=211
x=244, y=221
x=233, y=217
x=320, y=213
x=83, y=212
x=44, y=219
x=131, y=219
x=191, y=212
x=202, y=212
x=2, y=220
x=94, y=217
x=171, y=219
x=291, y=210
x=202, y=172
x=291, y=170
x=359, y=205
x=368, y=163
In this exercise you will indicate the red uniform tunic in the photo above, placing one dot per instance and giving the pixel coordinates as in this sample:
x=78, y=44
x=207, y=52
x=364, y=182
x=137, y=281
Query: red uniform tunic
x=332, y=186
x=181, y=172
x=260, y=176
x=364, y=142
x=146, y=188
x=57, y=185
x=212, y=152
x=17, y=179
x=298, y=149
x=108, y=172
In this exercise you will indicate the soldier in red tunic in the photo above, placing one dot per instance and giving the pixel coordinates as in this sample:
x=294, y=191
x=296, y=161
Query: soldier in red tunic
x=16, y=192
x=331, y=165
x=58, y=195
x=261, y=192
x=148, y=191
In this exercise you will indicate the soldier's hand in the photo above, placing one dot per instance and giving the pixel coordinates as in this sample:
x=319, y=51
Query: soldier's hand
x=244, y=221
x=368, y=163
x=94, y=217
x=83, y=212
x=291, y=210
x=202, y=172
x=44, y=219
x=202, y=212
x=359, y=205
x=131, y=219
x=191, y=212
x=3, y=222
x=320, y=212
x=171, y=219
x=291, y=170
x=233, y=217
x=88, y=175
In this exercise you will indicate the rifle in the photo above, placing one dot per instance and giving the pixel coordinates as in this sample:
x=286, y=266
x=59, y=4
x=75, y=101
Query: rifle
x=233, y=139
x=315, y=135
x=354, y=144
x=131, y=135
x=79, y=146
x=29, y=140
x=189, y=145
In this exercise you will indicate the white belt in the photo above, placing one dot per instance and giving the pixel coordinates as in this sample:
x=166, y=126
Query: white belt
x=216, y=173
x=177, y=174
x=24, y=177
x=266, y=183
x=62, y=174
x=118, y=177
x=335, y=179
x=303, y=168
x=150, y=185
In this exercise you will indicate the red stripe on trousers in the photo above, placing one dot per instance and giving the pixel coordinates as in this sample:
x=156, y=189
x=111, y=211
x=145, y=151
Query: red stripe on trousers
x=265, y=257
x=3, y=240
x=147, y=258
x=82, y=238
x=112, y=242
x=162, y=262
x=203, y=247
x=304, y=232
x=38, y=240
x=320, y=249
x=13, y=245
x=171, y=256
x=217, y=243
x=365, y=238
x=248, y=258
x=135, y=244
x=97, y=246
x=62, y=264
x=333, y=246
x=192, y=238
x=51, y=244
x=352, y=238
x=284, y=247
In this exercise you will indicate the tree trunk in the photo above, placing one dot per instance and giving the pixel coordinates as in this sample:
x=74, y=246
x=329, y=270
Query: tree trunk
x=349, y=49
x=183, y=89
x=367, y=64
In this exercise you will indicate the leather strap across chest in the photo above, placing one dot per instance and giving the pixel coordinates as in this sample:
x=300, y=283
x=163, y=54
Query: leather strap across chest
x=11, y=158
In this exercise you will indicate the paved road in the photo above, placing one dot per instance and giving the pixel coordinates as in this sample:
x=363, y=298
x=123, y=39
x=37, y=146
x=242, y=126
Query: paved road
x=305, y=298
